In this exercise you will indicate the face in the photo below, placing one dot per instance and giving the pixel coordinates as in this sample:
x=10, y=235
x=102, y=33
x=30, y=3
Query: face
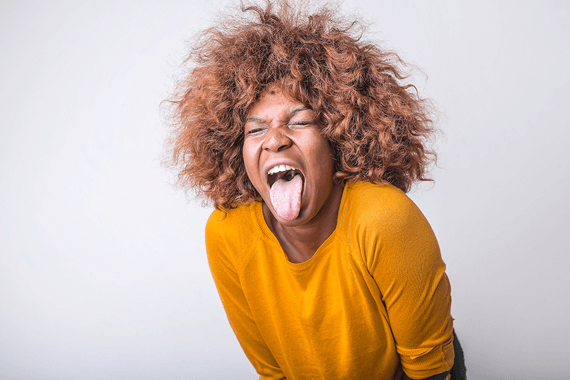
x=282, y=140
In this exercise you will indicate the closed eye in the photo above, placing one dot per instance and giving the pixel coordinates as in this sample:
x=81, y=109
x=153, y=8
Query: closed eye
x=255, y=131
x=301, y=123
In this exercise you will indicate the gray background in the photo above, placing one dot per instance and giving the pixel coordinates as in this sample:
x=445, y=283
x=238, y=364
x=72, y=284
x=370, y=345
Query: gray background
x=103, y=272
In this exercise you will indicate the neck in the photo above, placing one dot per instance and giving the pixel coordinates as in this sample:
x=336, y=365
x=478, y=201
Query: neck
x=301, y=242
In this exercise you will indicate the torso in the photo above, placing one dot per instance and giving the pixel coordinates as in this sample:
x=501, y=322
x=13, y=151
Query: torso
x=327, y=316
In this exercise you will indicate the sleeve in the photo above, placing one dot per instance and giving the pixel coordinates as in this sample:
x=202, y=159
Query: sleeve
x=410, y=273
x=235, y=304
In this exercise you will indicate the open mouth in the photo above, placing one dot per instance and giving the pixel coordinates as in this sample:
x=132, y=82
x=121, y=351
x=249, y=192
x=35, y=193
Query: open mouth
x=284, y=172
x=286, y=185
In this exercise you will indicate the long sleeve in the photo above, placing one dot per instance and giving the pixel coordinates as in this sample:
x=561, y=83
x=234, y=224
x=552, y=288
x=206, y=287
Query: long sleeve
x=406, y=264
x=235, y=303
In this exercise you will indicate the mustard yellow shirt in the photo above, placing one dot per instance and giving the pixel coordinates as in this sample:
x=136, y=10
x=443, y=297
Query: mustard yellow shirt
x=373, y=300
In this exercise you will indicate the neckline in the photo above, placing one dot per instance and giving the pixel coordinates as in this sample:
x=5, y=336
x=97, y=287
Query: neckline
x=271, y=236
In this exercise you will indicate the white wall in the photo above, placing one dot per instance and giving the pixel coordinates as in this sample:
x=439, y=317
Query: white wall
x=103, y=273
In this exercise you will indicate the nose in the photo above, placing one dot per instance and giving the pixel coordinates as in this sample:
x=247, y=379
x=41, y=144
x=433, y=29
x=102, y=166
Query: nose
x=276, y=140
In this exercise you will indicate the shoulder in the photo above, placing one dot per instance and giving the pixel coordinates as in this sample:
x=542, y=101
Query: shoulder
x=231, y=230
x=378, y=204
x=380, y=218
x=231, y=225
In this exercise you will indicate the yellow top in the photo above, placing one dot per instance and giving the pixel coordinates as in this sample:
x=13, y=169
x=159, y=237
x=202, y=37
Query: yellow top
x=374, y=297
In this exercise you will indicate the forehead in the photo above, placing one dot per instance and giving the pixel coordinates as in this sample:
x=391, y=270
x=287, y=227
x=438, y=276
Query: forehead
x=274, y=102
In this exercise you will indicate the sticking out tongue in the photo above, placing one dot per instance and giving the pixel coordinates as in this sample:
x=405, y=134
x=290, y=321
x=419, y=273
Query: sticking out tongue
x=286, y=197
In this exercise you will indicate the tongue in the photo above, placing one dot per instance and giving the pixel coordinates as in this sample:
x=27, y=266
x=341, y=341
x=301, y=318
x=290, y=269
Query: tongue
x=286, y=197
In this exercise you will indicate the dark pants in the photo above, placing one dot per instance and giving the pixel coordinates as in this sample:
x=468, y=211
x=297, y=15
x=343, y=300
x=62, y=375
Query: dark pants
x=458, y=371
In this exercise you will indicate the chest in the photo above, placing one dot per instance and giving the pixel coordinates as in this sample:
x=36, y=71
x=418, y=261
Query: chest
x=319, y=313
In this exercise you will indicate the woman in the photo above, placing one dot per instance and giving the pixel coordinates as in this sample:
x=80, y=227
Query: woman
x=305, y=140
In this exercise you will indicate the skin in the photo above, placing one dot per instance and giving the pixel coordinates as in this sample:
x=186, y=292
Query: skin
x=281, y=130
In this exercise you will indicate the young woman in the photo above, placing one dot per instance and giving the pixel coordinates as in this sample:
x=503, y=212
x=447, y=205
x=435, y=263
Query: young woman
x=305, y=139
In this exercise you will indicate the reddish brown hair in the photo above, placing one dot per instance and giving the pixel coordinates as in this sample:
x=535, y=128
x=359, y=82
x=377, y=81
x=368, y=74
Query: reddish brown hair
x=376, y=125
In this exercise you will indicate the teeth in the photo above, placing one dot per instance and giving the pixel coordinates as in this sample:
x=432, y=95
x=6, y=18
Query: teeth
x=279, y=168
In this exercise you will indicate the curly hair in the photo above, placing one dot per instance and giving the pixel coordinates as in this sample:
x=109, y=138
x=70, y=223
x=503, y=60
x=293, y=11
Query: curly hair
x=377, y=126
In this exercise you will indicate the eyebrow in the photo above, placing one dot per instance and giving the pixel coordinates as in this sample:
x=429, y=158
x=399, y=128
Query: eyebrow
x=292, y=113
x=297, y=110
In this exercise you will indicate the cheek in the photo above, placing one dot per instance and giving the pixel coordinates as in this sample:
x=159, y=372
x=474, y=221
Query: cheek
x=246, y=152
x=246, y=158
x=250, y=163
x=323, y=155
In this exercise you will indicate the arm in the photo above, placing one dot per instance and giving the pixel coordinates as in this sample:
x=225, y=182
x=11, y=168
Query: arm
x=410, y=274
x=236, y=306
